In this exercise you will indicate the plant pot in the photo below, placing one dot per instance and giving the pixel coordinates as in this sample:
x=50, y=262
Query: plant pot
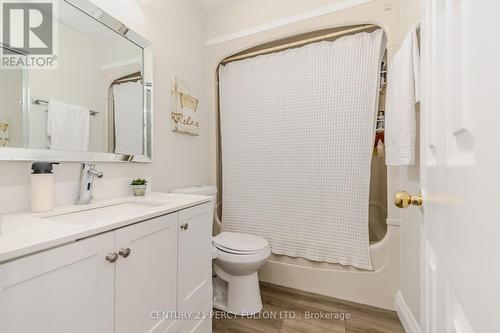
x=139, y=190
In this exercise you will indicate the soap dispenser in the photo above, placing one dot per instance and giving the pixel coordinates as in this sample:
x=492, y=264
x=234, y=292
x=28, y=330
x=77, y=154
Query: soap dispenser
x=42, y=187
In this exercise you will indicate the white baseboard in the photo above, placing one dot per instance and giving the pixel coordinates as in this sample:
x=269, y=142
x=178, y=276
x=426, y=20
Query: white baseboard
x=407, y=319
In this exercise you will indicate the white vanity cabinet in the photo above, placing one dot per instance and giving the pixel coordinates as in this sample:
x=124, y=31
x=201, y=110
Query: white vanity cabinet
x=66, y=289
x=146, y=274
x=114, y=281
x=194, y=292
x=195, y=262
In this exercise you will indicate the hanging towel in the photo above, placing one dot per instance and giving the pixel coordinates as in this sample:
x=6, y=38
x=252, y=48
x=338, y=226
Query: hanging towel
x=403, y=92
x=128, y=118
x=68, y=126
x=297, y=131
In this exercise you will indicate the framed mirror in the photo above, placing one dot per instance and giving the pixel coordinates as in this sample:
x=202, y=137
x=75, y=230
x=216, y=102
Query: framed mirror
x=95, y=105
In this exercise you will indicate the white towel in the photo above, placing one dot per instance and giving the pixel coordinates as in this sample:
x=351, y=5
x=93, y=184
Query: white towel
x=68, y=126
x=403, y=92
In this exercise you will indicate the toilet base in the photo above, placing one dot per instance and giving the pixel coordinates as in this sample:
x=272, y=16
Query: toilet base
x=237, y=294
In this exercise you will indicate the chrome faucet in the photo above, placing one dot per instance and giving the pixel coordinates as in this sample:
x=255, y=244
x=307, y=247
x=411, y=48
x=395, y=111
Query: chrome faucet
x=87, y=183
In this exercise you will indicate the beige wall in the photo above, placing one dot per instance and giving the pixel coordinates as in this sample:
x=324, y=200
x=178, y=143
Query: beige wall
x=177, y=30
x=410, y=13
x=251, y=13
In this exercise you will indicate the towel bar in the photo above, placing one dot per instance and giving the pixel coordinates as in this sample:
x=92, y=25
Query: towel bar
x=39, y=101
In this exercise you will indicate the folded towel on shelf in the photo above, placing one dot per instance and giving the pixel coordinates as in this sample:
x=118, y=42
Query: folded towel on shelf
x=403, y=92
x=68, y=126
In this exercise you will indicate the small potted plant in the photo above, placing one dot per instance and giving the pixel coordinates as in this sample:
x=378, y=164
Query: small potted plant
x=139, y=187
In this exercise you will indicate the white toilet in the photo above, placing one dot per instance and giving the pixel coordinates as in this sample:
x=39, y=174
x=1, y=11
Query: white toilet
x=237, y=258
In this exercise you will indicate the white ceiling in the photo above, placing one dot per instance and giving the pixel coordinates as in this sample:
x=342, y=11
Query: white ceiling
x=213, y=5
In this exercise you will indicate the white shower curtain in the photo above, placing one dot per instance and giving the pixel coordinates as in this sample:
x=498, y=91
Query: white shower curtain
x=297, y=131
x=128, y=118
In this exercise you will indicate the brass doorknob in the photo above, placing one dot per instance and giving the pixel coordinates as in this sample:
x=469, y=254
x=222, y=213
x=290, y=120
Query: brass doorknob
x=403, y=199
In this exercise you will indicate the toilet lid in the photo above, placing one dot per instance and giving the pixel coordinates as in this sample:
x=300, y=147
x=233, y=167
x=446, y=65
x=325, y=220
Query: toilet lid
x=235, y=242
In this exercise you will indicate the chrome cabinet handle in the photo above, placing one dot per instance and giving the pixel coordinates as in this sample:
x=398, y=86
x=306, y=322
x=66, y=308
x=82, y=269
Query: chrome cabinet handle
x=184, y=226
x=124, y=252
x=112, y=257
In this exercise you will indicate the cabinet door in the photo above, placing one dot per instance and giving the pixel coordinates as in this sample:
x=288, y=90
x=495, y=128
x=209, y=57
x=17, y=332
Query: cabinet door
x=66, y=289
x=146, y=278
x=200, y=320
x=195, y=256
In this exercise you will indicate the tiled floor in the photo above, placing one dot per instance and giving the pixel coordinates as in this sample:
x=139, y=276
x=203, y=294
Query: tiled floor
x=290, y=311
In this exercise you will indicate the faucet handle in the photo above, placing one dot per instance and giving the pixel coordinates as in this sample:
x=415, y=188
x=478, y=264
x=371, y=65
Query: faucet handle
x=92, y=170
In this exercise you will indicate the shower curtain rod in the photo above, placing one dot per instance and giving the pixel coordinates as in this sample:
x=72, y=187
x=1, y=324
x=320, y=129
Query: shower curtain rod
x=298, y=43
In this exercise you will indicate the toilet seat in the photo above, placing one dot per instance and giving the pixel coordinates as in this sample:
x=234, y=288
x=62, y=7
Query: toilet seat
x=235, y=252
x=239, y=257
x=239, y=243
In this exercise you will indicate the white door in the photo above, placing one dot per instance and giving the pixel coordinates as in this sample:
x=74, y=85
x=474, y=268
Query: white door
x=66, y=289
x=195, y=256
x=146, y=275
x=460, y=161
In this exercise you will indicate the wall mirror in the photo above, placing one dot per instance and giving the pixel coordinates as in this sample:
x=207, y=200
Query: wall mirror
x=96, y=105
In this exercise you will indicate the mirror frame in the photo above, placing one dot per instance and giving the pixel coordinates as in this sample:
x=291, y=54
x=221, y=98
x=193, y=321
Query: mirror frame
x=100, y=16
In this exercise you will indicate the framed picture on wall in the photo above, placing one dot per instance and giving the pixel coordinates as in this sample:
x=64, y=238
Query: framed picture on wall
x=184, y=113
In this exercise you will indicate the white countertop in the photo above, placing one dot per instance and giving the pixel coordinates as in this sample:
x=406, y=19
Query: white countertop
x=26, y=233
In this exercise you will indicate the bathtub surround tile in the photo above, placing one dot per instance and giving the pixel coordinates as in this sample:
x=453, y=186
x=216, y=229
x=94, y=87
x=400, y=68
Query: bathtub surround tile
x=356, y=318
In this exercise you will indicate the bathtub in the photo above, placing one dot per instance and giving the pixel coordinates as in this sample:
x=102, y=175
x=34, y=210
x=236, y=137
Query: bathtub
x=376, y=288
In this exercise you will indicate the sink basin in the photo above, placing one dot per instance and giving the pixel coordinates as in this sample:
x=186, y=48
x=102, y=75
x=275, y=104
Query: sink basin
x=106, y=212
